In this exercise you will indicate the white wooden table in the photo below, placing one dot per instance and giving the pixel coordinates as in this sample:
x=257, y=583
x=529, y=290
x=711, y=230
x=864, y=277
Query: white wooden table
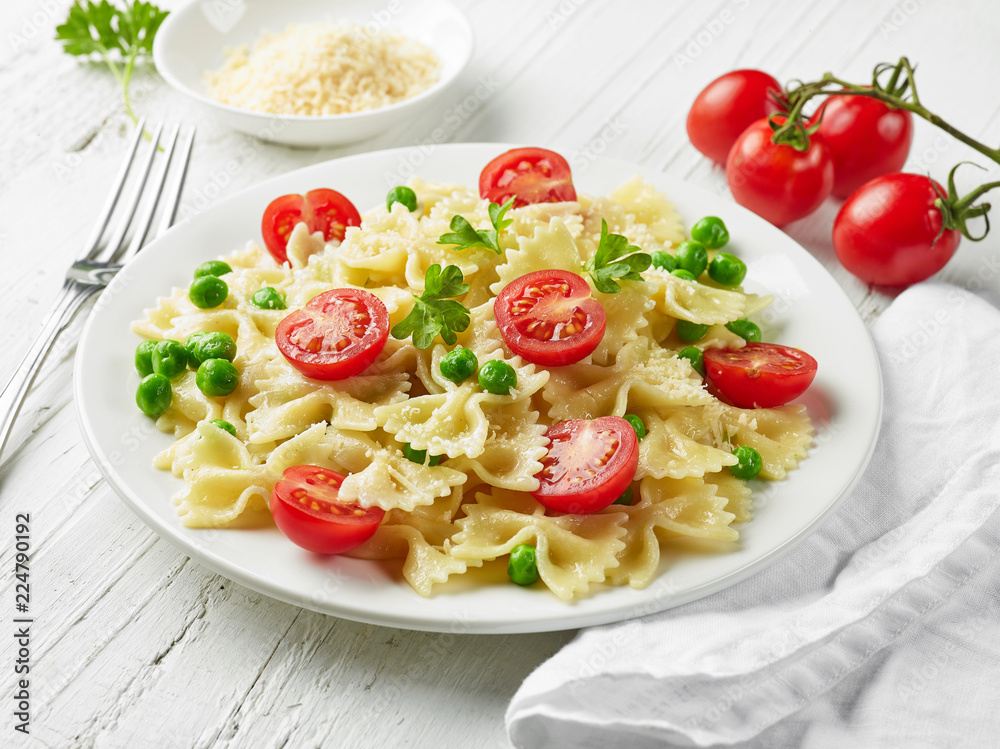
x=134, y=645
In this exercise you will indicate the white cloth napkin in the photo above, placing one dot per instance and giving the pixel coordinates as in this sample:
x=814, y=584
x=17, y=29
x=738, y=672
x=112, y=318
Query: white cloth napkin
x=880, y=630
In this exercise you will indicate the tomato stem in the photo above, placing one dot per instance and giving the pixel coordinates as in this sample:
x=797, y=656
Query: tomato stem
x=899, y=92
x=894, y=93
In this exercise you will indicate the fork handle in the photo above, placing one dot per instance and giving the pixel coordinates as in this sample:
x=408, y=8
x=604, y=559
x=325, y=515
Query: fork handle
x=62, y=312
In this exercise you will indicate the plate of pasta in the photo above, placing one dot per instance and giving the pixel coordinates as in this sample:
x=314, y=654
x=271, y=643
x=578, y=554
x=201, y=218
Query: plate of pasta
x=501, y=399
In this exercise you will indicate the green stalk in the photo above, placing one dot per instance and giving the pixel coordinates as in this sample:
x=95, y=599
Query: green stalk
x=807, y=91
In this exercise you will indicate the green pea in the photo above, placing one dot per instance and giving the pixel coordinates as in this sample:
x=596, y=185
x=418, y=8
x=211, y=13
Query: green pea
x=711, y=232
x=685, y=274
x=497, y=377
x=268, y=298
x=459, y=365
x=694, y=355
x=664, y=261
x=745, y=329
x=212, y=268
x=419, y=456
x=169, y=359
x=209, y=345
x=627, y=497
x=689, y=332
x=144, y=357
x=522, y=568
x=153, y=396
x=208, y=292
x=727, y=270
x=637, y=425
x=224, y=425
x=749, y=465
x=217, y=377
x=692, y=257
x=403, y=195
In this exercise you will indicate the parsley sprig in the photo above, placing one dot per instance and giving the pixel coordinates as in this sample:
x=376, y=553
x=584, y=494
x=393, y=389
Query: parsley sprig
x=120, y=36
x=433, y=311
x=463, y=235
x=615, y=259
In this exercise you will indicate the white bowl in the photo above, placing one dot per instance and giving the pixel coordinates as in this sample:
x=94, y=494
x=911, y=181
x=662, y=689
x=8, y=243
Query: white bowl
x=192, y=39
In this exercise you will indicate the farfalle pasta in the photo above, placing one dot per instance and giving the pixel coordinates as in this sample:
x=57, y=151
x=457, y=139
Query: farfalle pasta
x=475, y=505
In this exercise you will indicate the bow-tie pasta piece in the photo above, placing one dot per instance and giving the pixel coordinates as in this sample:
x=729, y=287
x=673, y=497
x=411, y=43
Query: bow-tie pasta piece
x=286, y=400
x=678, y=446
x=573, y=551
x=456, y=422
x=669, y=508
x=642, y=376
x=223, y=485
x=550, y=247
x=781, y=435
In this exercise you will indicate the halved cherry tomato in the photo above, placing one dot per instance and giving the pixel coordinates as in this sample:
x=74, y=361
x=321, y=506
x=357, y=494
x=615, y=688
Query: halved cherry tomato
x=338, y=334
x=322, y=210
x=305, y=508
x=866, y=137
x=549, y=317
x=589, y=464
x=759, y=375
x=727, y=106
x=530, y=175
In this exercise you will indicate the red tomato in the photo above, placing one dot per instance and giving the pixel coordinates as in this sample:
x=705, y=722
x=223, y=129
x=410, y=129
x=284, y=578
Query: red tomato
x=589, y=464
x=866, y=137
x=549, y=317
x=305, y=508
x=759, y=375
x=322, y=210
x=530, y=175
x=338, y=334
x=729, y=105
x=776, y=181
x=889, y=231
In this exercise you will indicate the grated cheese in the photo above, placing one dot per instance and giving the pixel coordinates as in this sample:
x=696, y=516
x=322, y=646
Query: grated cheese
x=324, y=69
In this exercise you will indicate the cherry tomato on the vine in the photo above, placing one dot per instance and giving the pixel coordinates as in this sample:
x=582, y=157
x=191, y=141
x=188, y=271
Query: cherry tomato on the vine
x=305, y=507
x=727, y=106
x=866, y=137
x=322, y=210
x=774, y=180
x=758, y=375
x=549, y=317
x=889, y=232
x=589, y=464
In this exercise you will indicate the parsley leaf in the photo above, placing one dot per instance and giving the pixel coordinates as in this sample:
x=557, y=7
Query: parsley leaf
x=433, y=312
x=120, y=36
x=615, y=259
x=463, y=235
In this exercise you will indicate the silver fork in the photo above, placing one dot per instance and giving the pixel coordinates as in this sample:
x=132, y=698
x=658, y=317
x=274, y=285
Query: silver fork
x=100, y=261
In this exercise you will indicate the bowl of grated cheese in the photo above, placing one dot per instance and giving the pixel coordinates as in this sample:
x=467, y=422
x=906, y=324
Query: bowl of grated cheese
x=314, y=72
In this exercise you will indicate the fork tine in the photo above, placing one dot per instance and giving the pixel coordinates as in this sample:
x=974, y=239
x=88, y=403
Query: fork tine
x=128, y=210
x=90, y=247
x=145, y=216
x=177, y=187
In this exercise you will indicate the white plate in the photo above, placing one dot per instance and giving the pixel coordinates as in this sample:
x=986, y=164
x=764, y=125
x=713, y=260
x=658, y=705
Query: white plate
x=810, y=312
x=192, y=39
